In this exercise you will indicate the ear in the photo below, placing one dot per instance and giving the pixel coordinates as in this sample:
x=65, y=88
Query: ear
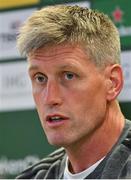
x=114, y=81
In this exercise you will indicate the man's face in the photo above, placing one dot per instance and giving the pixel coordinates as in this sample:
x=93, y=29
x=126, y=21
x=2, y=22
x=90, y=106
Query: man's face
x=69, y=92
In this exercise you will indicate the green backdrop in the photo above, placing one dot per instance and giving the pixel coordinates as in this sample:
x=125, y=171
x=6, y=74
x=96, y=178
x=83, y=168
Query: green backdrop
x=21, y=135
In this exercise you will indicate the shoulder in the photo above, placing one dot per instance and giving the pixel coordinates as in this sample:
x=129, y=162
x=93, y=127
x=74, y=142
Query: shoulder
x=118, y=162
x=126, y=169
x=40, y=169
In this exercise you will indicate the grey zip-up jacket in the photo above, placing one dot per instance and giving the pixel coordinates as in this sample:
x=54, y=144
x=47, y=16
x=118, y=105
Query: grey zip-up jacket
x=116, y=165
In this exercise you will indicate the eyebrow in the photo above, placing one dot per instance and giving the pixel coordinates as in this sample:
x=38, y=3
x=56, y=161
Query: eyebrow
x=70, y=67
x=32, y=67
x=35, y=67
x=67, y=67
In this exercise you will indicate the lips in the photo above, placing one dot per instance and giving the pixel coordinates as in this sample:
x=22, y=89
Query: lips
x=54, y=118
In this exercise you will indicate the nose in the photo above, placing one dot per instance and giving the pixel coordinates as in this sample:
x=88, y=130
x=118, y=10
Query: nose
x=52, y=94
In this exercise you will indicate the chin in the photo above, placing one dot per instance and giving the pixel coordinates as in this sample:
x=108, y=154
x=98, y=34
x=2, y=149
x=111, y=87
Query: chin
x=56, y=143
x=59, y=142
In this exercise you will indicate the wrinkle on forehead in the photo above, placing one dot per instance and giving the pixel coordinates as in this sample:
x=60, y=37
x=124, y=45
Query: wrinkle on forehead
x=65, y=66
x=48, y=53
x=61, y=57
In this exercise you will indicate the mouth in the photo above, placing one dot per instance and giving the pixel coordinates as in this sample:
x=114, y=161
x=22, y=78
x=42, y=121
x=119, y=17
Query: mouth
x=56, y=118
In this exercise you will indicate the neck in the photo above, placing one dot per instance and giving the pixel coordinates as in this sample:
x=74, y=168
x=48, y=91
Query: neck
x=85, y=153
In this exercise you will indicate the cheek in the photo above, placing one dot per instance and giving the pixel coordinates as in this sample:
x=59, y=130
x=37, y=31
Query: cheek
x=78, y=101
x=88, y=99
x=37, y=96
x=39, y=105
x=37, y=92
x=36, y=89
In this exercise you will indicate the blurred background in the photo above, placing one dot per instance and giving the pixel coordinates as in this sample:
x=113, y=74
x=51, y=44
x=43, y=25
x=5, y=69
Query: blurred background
x=22, y=140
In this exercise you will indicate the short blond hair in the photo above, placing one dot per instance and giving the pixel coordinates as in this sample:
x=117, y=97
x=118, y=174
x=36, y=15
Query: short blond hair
x=59, y=24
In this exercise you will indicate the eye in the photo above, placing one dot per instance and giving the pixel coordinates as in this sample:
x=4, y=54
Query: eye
x=69, y=75
x=40, y=78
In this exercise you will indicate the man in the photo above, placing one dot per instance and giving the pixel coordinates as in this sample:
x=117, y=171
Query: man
x=74, y=66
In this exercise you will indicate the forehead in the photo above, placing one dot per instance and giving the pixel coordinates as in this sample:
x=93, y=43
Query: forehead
x=64, y=51
x=54, y=48
x=61, y=56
